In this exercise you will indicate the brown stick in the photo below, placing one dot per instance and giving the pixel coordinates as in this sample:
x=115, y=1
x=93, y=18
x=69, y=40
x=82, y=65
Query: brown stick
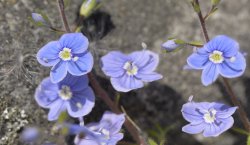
x=63, y=16
x=235, y=101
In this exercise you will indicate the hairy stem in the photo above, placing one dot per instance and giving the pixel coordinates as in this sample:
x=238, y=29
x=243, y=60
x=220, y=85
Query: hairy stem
x=100, y=92
x=235, y=101
x=63, y=16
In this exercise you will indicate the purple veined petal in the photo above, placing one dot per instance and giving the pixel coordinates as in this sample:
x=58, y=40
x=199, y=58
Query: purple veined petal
x=144, y=58
x=112, y=63
x=225, y=44
x=48, y=55
x=58, y=72
x=192, y=113
x=115, y=138
x=233, y=68
x=81, y=103
x=149, y=77
x=82, y=65
x=56, y=108
x=76, y=83
x=126, y=83
x=224, y=111
x=152, y=62
x=115, y=121
x=198, y=60
x=221, y=125
x=194, y=129
x=209, y=74
x=46, y=93
x=77, y=42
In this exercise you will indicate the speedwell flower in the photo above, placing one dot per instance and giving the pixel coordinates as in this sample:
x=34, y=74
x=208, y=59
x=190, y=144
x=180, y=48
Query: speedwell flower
x=72, y=94
x=68, y=55
x=106, y=132
x=128, y=72
x=219, y=56
x=211, y=119
x=170, y=45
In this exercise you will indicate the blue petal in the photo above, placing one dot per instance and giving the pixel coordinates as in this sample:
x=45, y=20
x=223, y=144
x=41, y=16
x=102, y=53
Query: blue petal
x=85, y=98
x=148, y=77
x=231, y=69
x=126, y=83
x=115, y=121
x=58, y=72
x=221, y=125
x=77, y=42
x=209, y=74
x=224, y=111
x=46, y=93
x=223, y=43
x=76, y=83
x=198, y=60
x=90, y=141
x=147, y=61
x=82, y=66
x=56, y=108
x=112, y=63
x=194, y=129
x=48, y=55
x=192, y=113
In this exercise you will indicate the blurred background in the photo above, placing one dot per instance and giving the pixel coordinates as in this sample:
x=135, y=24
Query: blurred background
x=120, y=25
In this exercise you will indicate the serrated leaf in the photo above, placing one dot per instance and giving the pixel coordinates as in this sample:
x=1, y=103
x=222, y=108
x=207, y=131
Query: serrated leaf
x=152, y=142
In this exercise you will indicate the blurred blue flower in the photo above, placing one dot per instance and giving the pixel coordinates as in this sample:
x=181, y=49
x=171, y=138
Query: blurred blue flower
x=128, y=72
x=30, y=134
x=38, y=18
x=105, y=132
x=219, y=56
x=211, y=119
x=69, y=54
x=170, y=45
x=72, y=94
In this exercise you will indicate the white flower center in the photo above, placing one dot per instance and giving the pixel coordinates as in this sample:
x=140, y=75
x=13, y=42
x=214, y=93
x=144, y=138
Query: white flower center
x=216, y=57
x=210, y=117
x=130, y=68
x=65, y=93
x=65, y=54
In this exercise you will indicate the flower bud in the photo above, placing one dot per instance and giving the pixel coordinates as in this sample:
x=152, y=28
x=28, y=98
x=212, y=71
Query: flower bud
x=89, y=6
x=170, y=45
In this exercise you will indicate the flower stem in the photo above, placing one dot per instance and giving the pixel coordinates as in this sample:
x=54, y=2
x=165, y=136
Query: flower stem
x=235, y=101
x=100, y=92
x=63, y=16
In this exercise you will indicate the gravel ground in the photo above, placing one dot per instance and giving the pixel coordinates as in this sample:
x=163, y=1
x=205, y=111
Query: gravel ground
x=134, y=22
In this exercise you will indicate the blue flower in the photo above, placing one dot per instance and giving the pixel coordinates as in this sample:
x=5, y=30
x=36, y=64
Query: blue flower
x=170, y=45
x=219, y=56
x=105, y=132
x=68, y=55
x=72, y=94
x=128, y=72
x=211, y=119
x=30, y=134
x=38, y=18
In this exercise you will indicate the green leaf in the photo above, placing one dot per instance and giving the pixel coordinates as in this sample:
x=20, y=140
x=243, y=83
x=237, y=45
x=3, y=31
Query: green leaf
x=179, y=41
x=240, y=131
x=62, y=118
x=195, y=43
x=248, y=140
x=151, y=142
x=215, y=2
x=196, y=7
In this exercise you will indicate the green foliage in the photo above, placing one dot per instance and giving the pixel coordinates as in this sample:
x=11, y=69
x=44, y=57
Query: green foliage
x=196, y=7
x=241, y=131
x=215, y=2
x=88, y=7
x=179, y=41
x=195, y=43
x=63, y=117
x=248, y=140
x=158, y=135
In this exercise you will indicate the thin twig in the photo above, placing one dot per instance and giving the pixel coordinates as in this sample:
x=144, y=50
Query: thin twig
x=235, y=101
x=63, y=16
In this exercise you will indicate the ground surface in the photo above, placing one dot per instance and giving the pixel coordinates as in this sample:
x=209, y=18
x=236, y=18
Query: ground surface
x=135, y=21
